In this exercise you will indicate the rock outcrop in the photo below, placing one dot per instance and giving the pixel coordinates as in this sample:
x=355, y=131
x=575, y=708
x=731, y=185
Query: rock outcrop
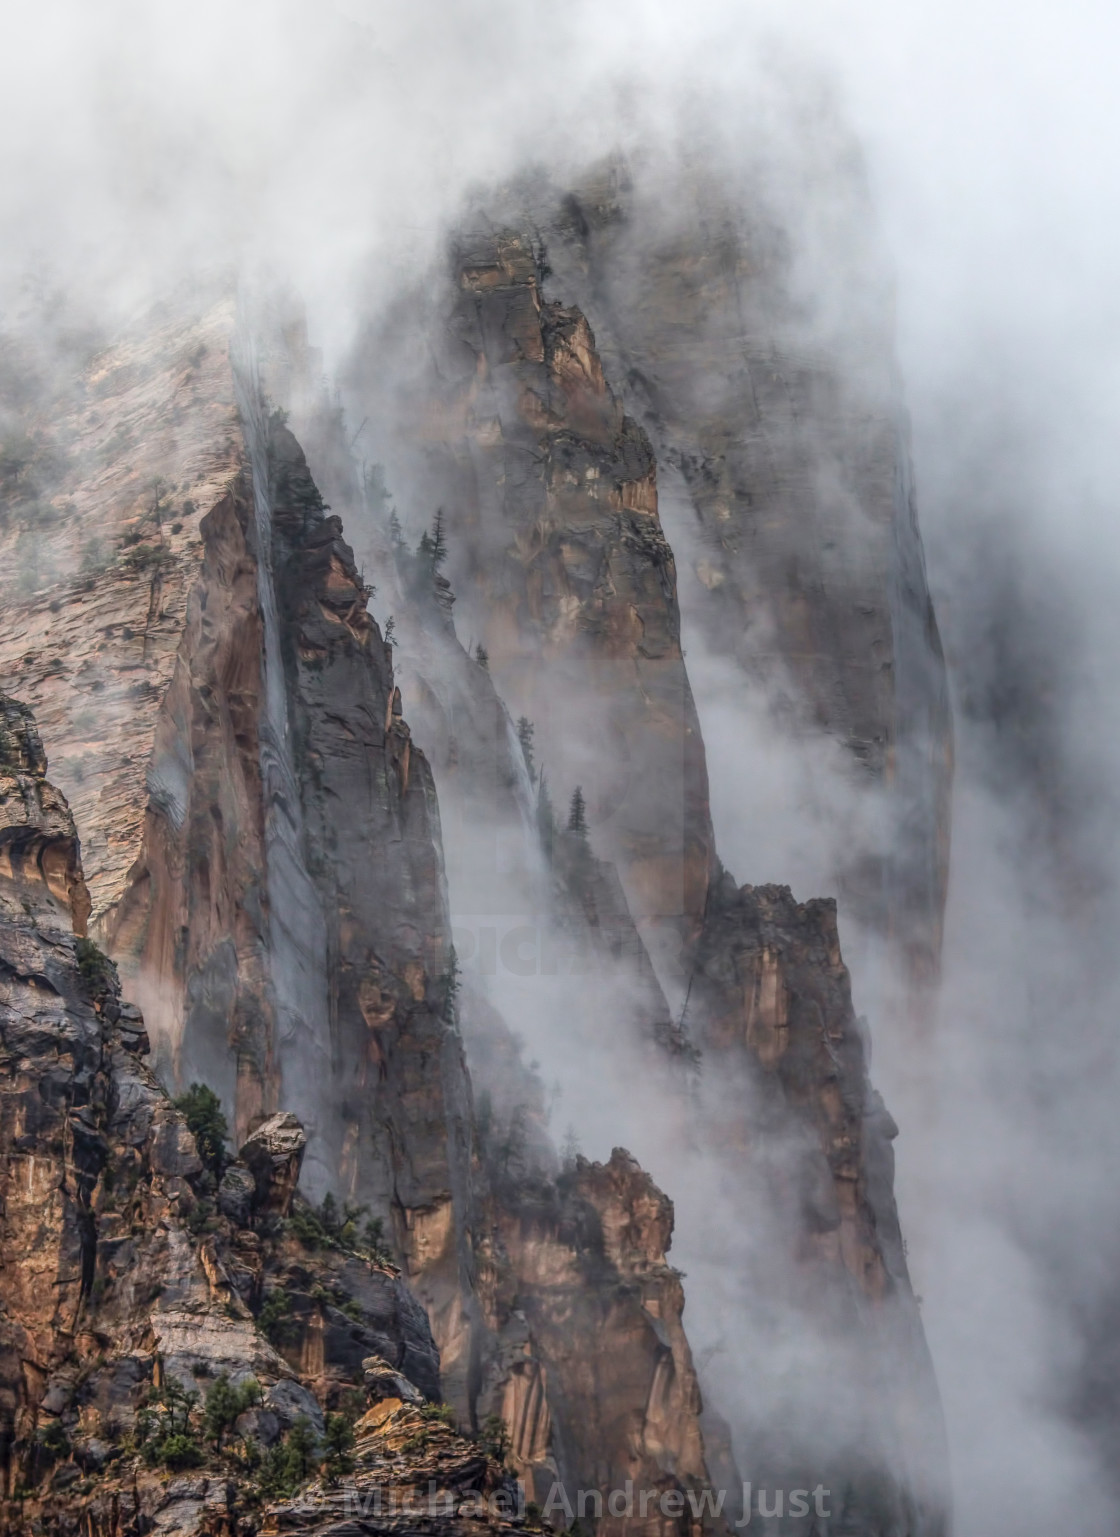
x=40, y=864
x=593, y=1373
x=285, y=923
x=561, y=567
x=783, y=447
x=519, y=423
x=789, y=1100
x=267, y=868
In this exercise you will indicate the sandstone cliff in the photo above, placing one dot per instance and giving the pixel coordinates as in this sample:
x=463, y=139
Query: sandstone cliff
x=125, y=1288
x=549, y=493
x=283, y=915
x=269, y=876
x=788, y=1091
x=792, y=1145
x=276, y=956
x=783, y=449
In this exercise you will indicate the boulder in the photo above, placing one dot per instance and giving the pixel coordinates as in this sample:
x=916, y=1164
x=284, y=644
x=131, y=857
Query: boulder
x=383, y=1381
x=289, y=1400
x=274, y=1155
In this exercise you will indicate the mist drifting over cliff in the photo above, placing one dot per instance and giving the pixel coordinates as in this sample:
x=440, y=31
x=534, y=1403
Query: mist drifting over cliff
x=332, y=147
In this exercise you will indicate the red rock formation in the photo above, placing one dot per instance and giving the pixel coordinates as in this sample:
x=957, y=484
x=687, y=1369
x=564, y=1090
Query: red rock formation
x=789, y=1101
x=110, y=1284
x=592, y=1372
x=561, y=568
x=276, y=891
x=783, y=426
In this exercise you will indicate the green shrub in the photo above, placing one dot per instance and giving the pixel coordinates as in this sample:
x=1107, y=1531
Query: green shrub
x=224, y=1403
x=494, y=1437
x=291, y=1463
x=200, y=1218
x=274, y=1319
x=179, y=1450
x=163, y=1427
x=373, y=1243
x=330, y=1226
x=203, y=1112
x=97, y=971
x=339, y=1443
x=52, y=1440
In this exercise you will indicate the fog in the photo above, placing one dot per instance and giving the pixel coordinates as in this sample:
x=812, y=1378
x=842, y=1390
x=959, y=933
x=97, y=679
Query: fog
x=331, y=146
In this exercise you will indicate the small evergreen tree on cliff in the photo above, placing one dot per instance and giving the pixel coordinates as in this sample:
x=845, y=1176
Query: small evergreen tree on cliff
x=525, y=731
x=203, y=1112
x=427, y=577
x=433, y=546
x=577, y=814
x=482, y=656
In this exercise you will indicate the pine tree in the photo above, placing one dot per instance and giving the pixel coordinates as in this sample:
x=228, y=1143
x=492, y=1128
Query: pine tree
x=482, y=656
x=525, y=730
x=302, y=1448
x=390, y=631
x=339, y=1443
x=577, y=814
x=438, y=542
x=431, y=554
x=203, y=1111
x=395, y=532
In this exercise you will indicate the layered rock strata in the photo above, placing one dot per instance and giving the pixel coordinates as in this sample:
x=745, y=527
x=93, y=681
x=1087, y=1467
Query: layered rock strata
x=282, y=957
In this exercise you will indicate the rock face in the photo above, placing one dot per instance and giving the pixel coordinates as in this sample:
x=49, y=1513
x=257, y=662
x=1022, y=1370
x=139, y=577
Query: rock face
x=121, y=452
x=110, y=1286
x=281, y=957
x=41, y=867
x=593, y=1373
x=783, y=438
x=771, y=989
x=277, y=955
x=268, y=875
x=788, y=1085
x=273, y=1156
x=563, y=572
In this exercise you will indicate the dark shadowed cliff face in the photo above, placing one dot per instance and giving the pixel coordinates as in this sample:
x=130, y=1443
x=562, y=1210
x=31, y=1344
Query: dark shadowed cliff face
x=593, y=1373
x=786, y=1088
